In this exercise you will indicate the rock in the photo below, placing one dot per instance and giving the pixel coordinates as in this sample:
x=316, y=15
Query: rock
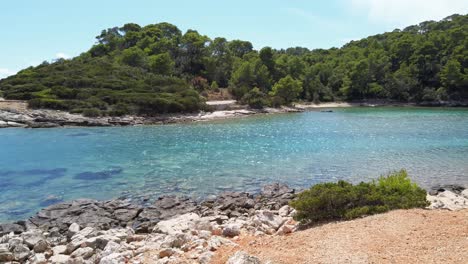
x=8, y=228
x=176, y=225
x=231, y=230
x=41, y=246
x=84, y=253
x=59, y=259
x=241, y=257
x=447, y=200
x=205, y=257
x=457, y=189
x=175, y=241
x=216, y=241
x=464, y=193
x=166, y=252
x=5, y=254
x=32, y=237
x=114, y=258
x=61, y=249
x=86, y=232
x=21, y=252
x=269, y=219
x=15, y=241
x=38, y=259
x=73, y=229
x=284, y=211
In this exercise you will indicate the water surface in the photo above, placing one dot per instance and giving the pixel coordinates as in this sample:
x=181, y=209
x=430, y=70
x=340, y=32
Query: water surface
x=39, y=167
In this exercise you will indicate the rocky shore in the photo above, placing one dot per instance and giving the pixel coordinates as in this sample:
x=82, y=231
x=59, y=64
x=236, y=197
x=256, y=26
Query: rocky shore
x=35, y=118
x=170, y=230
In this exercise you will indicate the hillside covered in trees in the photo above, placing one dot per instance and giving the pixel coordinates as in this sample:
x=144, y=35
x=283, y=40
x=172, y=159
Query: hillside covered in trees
x=158, y=69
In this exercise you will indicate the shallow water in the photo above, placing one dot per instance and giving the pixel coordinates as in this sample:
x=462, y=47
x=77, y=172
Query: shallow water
x=43, y=166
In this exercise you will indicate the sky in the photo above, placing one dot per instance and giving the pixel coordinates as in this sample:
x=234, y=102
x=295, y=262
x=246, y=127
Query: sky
x=33, y=31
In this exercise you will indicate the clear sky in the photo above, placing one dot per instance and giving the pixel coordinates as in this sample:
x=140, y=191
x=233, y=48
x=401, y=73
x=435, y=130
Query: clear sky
x=36, y=30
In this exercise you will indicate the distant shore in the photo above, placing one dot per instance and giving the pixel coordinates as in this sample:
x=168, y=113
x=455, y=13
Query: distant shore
x=16, y=114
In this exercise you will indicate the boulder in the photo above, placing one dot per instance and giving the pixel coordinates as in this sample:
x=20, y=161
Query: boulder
x=32, y=237
x=166, y=252
x=205, y=257
x=73, y=229
x=61, y=249
x=447, y=200
x=178, y=224
x=38, y=259
x=114, y=258
x=21, y=253
x=59, y=259
x=41, y=246
x=268, y=219
x=241, y=257
x=84, y=252
x=5, y=254
x=231, y=230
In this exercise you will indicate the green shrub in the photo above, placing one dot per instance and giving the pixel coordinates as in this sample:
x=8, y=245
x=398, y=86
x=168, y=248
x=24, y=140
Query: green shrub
x=48, y=103
x=91, y=112
x=343, y=200
x=255, y=99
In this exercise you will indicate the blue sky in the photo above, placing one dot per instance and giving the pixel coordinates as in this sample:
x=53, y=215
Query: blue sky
x=33, y=31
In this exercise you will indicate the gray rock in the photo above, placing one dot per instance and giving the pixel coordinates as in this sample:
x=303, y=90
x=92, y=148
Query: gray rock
x=8, y=228
x=114, y=258
x=32, y=237
x=5, y=254
x=205, y=257
x=84, y=252
x=269, y=219
x=38, y=259
x=241, y=257
x=41, y=246
x=231, y=230
x=21, y=253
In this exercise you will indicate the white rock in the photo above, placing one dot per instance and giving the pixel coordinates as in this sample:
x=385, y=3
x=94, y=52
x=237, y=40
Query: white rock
x=464, y=193
x=284, y=211
x=240, y=257
x=61, y=249
x=114, y=258
x=21, y=252
x=38, y=258
x=59, y=259
x=84, y=252
x=447, y=200
x=31, y=238
x=178, y=224
x=269, y=219
x=73, y=229
x=5, y=254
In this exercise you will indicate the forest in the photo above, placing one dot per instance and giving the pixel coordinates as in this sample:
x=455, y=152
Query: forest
x=158, y=69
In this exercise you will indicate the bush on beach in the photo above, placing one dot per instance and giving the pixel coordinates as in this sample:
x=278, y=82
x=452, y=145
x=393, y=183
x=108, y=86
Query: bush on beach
x=343, y=200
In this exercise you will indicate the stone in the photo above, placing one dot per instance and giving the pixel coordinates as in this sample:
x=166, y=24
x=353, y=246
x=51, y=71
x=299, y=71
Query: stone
x=59, y=259
x=166, y=252
x=447, y=200
x=176, y=225
x=205, y=257
x=21, y=253
x=464, y=193
x=231, y=230
x=284, y=211
x=86, y=232
x=73, y=229
x=85, y=253
x=216, y=242
x=15, y=241
x=61, y=249
x=8, y=228
x=5, y=254
x=241, y=257
x=32, y=237
x=269, y=219
x=114, y=258
x=38, y=259
x=41, y=246
x=175, y=241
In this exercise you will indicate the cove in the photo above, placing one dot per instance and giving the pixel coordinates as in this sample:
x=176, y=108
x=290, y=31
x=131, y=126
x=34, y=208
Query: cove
x=199, y=159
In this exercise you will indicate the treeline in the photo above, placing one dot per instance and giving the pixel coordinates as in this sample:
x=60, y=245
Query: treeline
x=157, y=69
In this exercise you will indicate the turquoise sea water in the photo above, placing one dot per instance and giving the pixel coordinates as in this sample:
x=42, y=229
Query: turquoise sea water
x=42, y=166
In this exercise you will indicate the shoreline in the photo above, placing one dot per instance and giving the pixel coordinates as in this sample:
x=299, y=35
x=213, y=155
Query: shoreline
x=45, y=118
x=171, y=228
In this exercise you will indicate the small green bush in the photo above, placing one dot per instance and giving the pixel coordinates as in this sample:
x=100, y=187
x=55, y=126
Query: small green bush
x=91, y=112
x=343, y=200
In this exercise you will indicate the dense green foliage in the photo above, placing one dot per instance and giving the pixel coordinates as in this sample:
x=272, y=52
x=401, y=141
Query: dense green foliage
x=343, y=200
x=157, y=69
